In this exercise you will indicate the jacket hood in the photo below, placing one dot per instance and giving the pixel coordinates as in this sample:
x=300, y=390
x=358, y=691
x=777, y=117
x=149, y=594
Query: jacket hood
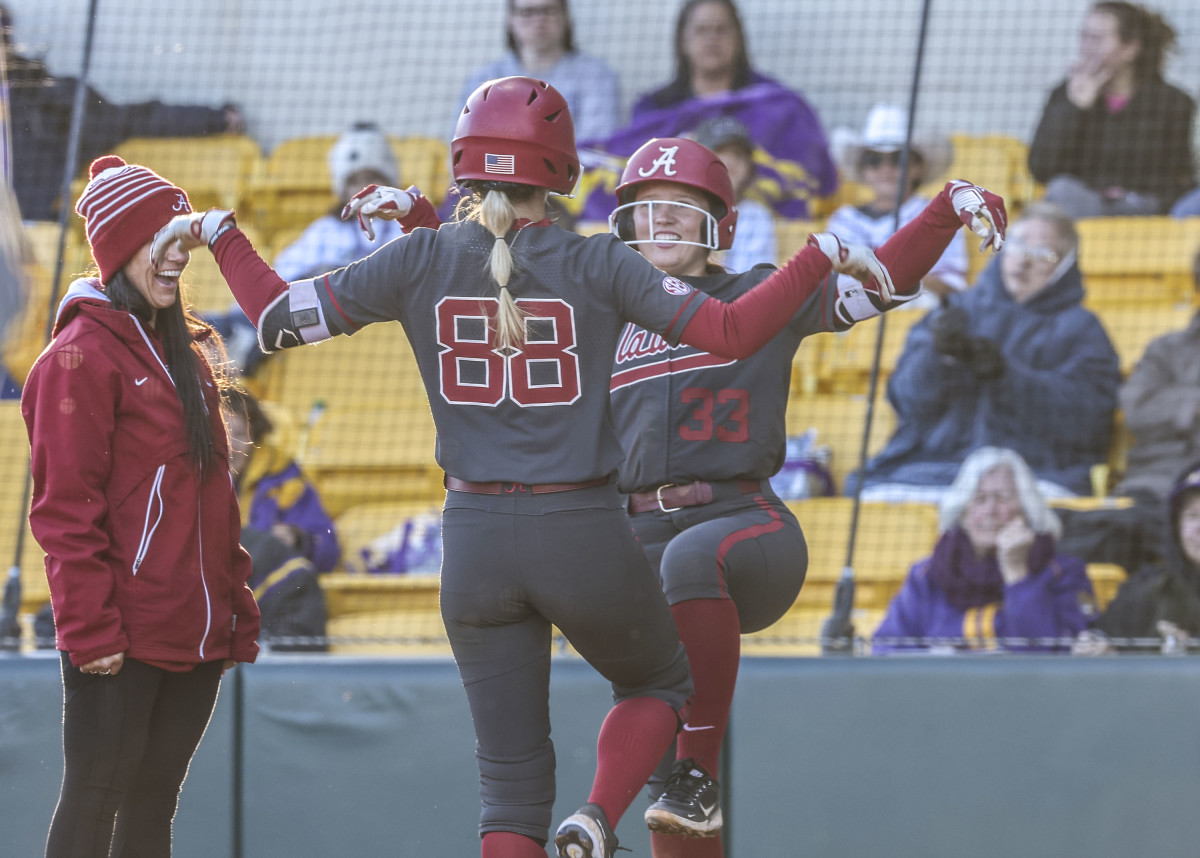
x=85, y=298
x=1062, y=292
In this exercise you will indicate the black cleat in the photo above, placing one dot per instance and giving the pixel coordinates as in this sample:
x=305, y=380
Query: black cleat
x=690, y=805
x=586, y=834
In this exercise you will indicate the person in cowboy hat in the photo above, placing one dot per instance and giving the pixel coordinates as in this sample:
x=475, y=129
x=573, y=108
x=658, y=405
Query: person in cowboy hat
x=872, y=158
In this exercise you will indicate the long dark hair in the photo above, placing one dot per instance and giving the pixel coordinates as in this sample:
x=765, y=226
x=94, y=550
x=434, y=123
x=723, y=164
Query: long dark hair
x=568, y=34
x=680, y=89
x=1139, y=24
x=178, y=329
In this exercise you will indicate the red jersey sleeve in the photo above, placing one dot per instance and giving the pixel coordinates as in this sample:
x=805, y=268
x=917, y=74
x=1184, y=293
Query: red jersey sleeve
x=741, y=327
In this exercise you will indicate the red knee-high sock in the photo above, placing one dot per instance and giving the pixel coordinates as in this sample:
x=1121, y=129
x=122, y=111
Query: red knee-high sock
x=711, y=633
x=671, y=846
x=634, y=737
x=509, y=844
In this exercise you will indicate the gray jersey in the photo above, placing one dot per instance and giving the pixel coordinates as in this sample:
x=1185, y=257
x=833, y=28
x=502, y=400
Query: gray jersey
x=686, y=415
x=540, y=414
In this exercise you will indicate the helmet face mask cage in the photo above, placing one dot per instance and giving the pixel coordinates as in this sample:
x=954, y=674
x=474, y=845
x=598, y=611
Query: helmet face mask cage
x=620, y=224
x=684, y=162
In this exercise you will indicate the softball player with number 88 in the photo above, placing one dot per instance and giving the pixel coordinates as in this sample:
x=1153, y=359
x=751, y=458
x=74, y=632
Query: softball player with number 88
x=514, y=323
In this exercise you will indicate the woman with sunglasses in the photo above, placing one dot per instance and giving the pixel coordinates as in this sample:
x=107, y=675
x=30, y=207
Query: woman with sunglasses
x=873, y=160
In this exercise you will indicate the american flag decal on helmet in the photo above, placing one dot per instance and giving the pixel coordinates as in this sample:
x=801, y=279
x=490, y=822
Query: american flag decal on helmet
x=499, y=164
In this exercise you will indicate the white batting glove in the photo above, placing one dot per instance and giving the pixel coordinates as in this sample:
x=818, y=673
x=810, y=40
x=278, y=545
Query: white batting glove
x=857, y=261
x=191, y=231
x=378, y=201
x=981, y=210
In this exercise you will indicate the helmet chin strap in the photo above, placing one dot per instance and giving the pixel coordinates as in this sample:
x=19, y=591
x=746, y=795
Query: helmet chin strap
x=709, y=220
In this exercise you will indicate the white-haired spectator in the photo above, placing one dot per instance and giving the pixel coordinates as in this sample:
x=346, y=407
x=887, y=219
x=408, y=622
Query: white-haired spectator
x=995, y=579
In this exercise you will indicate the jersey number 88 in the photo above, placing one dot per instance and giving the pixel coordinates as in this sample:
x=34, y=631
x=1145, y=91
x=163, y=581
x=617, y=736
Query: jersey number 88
x=544, y=371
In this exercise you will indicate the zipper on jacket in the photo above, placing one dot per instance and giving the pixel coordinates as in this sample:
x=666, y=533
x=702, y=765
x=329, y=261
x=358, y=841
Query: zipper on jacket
x=203, y=579
x=148, y=528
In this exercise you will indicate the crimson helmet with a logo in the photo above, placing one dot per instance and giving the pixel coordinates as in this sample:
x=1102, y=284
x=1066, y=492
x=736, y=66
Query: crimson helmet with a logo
x=516, y=129
x=685, y=162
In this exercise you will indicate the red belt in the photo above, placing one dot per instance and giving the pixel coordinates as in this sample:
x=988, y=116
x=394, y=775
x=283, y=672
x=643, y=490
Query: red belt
x=671, y=497
x=498, y=488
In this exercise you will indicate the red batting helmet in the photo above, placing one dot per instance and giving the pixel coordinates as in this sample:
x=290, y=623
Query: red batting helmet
x=686, y=162
x=516, y=129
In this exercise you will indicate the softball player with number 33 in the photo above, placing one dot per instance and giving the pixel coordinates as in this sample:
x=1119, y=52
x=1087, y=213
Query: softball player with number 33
x=703, y=433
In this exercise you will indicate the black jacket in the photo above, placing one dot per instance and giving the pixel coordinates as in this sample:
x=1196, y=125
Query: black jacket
x=1144, y=147
x=40, y=109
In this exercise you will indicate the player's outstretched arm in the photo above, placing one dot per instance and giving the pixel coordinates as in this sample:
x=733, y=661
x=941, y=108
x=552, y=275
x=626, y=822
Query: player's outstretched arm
x=409, y=207
x=285, y=315
x=919, y=244
x=741, y=327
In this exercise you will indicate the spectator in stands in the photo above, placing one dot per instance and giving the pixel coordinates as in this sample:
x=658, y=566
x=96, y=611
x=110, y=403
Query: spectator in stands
x=1162, y=601
x=284, y=580
x=714, y=77
x=872, y=158
x=995, y=578
x=1115, y=137
x=41, y=106
x=361, y=156
x=541, y=45
x=754, y=241
x=1160, y=403
x=282, y=501
x=1015, y=362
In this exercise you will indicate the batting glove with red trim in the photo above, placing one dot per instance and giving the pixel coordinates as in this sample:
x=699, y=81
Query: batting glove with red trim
x=378, y=201
x=979, y=209
x=191, y=231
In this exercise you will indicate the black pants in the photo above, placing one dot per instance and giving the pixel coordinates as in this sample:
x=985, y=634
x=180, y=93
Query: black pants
x=127, y=741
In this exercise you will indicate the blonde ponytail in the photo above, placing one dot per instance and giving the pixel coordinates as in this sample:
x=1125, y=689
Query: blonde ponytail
x=496, y=214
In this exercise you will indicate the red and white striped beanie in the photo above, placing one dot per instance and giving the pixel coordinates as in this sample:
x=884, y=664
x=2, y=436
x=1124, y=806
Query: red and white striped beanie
x=124, y=206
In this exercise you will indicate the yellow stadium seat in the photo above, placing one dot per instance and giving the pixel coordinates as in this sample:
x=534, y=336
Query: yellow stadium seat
x=293, y=187
x=791, y=235
x=1131, y=328
x=214, y=170
x=373, y=370
x=1138, y=260
x=839, y=420
x=384, y=614
x=890, y=538
x=1106, y=580
x=424, y=162
x=845, y=359
x=356, y=457
x=14, y=508
x=993, y=161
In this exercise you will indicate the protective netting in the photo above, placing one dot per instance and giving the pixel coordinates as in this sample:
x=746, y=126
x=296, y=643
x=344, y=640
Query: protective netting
x=241, y=103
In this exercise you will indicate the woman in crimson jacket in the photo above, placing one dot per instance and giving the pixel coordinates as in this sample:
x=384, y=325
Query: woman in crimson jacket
x=135, y=509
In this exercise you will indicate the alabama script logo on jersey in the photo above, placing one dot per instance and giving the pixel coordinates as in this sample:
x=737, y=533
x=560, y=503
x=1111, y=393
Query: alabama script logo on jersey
x=643, y=355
